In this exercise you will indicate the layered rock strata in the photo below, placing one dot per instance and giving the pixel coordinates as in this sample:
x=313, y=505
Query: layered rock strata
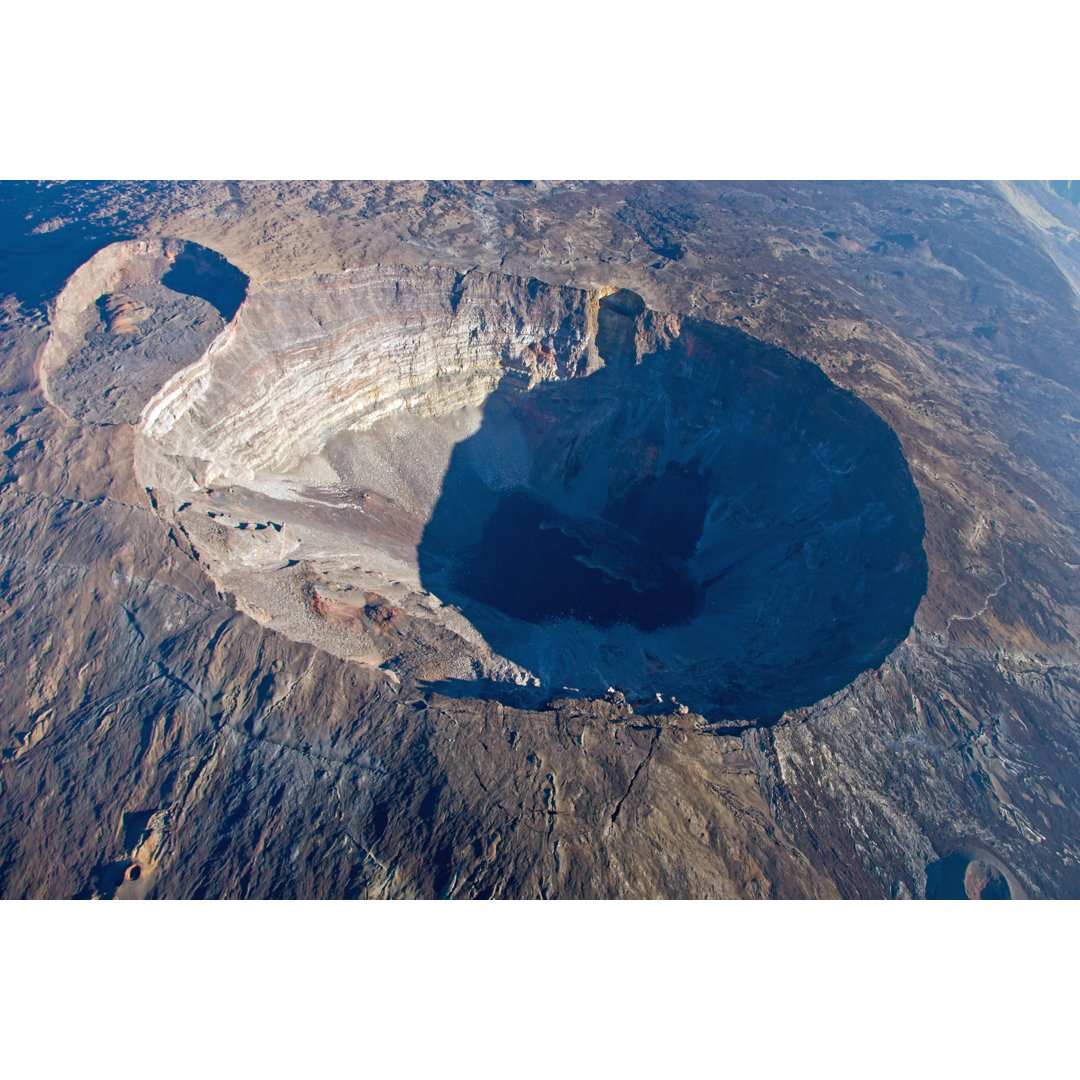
x=303, y=453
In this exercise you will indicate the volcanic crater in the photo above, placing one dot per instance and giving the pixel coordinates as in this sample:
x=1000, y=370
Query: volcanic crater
x=508, y=489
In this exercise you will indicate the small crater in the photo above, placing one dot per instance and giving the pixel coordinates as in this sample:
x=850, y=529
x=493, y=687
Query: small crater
x=968, y=874
x=129, y=319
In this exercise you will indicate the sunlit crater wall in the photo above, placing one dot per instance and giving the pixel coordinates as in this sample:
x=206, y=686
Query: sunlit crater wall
x=304, y=360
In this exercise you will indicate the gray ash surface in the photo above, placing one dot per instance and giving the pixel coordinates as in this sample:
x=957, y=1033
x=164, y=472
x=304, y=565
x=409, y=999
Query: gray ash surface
x=140, y=338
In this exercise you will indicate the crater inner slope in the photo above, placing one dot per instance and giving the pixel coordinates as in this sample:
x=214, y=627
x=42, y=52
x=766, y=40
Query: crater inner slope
x=706, y=517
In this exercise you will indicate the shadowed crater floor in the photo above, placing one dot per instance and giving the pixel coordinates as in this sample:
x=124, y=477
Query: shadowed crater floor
x=713, y=519
x=971, y=873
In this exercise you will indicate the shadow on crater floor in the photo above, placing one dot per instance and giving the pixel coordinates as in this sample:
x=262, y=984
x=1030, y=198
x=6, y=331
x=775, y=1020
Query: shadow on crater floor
x=718, y=522
x=198, y=271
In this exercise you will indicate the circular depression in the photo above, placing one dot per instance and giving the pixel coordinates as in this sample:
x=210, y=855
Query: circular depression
x=501, y=487
x=714, y=521
x=130, y=318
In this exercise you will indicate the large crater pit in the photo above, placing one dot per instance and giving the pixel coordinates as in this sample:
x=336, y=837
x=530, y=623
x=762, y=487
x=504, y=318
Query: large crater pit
x=507, y=488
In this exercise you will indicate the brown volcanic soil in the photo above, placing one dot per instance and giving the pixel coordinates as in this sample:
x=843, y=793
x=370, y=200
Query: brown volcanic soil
x=146, y=723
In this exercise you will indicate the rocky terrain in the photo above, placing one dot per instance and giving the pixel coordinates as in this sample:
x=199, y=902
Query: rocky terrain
x=263, y=441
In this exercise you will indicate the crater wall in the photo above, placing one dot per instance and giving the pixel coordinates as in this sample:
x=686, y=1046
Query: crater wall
x=305, y=360
x=508, y=488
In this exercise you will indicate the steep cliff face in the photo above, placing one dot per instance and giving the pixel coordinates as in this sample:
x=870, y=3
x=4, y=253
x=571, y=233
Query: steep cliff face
x=308, y=358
